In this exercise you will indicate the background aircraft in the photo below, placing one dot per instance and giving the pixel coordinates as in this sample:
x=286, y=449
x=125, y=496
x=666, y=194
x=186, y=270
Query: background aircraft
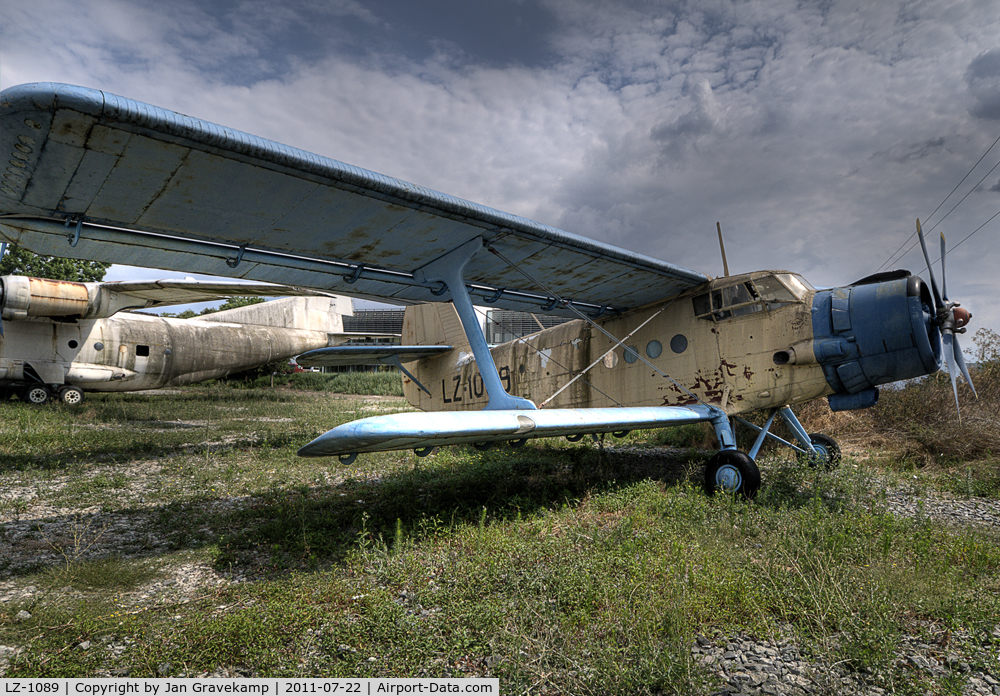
x=61, y=338
x=97, y=176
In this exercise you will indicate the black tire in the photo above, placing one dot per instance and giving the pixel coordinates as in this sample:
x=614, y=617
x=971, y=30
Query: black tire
x=36, y=395
x=827, y=451
x=71, y=396
x=732, y=471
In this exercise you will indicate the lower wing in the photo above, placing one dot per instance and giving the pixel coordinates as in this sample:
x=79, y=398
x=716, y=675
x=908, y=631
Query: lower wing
x=425, y=430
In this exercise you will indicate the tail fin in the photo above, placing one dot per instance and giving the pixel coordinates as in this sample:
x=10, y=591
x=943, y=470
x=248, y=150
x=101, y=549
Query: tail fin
x=307, y=313
x=433, y=324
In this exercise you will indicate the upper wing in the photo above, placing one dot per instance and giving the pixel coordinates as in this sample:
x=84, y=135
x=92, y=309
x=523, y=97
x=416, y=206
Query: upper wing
x=96, y=176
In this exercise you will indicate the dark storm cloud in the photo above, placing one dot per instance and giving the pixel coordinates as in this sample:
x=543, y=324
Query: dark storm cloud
x=815, y=132
x=983, y=78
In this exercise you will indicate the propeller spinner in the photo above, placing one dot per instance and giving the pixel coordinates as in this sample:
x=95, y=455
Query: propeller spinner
x=950, y=319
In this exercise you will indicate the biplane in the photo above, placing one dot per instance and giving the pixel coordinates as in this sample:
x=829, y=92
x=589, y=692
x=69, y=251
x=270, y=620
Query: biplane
x=91, y=175
x=59, y=339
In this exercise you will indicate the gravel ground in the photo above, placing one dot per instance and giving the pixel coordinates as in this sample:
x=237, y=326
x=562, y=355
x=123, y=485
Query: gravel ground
x=35, y=534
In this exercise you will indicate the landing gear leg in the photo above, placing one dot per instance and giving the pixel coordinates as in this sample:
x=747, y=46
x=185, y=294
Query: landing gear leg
x=817, y=448
x=730, y=470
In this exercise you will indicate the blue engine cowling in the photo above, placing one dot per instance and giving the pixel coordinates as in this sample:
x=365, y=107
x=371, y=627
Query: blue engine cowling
x=873, y=333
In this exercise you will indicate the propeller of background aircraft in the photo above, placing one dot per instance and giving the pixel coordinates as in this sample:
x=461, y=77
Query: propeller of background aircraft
x=950, y=319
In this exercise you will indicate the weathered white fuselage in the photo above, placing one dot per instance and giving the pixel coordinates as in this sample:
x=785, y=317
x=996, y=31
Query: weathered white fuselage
x=132, y=351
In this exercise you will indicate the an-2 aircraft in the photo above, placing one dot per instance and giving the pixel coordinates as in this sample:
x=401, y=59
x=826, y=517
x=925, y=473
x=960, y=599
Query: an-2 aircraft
x=91, y=175
x=59, y=339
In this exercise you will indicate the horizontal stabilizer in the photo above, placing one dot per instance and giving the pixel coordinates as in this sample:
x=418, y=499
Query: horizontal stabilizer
x=364, y=355
x=419, y=430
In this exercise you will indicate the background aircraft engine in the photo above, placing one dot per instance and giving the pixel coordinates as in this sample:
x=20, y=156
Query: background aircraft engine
x=874, y=333
x=22, y=297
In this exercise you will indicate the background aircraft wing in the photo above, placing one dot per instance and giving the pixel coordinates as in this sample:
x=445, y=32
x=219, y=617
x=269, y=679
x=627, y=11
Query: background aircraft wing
x=96, y=176
x=164, y=293
x=336, y=356
x=22, y=296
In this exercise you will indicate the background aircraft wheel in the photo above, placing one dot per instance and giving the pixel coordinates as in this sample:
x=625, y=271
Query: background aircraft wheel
x=732, y=471
x=71, y=396
x=35, y=395
x=827, y=451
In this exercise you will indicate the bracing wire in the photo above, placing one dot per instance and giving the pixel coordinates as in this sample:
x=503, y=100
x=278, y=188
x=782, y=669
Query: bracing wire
x=590, y=321
x=927, y=219
x=523, y=340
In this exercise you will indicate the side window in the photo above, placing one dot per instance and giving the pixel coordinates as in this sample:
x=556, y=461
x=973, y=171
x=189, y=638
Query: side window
x=702, y=305
x=741, y=299
x=142, y=351
x=732, y=301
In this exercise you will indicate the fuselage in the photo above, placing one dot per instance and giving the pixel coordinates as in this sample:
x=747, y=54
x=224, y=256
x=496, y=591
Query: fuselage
x=741, y=343
x=132, y=351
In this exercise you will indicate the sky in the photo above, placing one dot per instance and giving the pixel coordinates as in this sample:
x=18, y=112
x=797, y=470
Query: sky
x=815, y=132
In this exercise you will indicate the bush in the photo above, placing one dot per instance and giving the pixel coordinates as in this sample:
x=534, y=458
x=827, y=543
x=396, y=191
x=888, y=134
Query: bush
x=919, y=419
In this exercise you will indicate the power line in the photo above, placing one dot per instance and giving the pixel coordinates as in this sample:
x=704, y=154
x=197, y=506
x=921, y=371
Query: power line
x=927, y=219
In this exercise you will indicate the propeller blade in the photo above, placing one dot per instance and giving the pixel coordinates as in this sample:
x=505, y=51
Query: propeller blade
x=948, y=341
x=961, y=364
x=938, y=305
x=944, y=277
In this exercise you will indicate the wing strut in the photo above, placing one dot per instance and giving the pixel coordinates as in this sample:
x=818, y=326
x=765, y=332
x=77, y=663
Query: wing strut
x=448, y=269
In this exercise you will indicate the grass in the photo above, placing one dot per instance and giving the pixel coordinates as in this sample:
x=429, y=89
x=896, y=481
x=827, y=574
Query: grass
x=378, y=383
x=557, y=567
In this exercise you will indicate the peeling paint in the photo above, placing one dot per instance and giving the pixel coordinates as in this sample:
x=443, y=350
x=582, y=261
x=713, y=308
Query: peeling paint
x=545, y=355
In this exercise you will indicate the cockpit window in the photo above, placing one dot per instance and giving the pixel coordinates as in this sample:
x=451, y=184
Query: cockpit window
x=798, y=285
x=764, y=293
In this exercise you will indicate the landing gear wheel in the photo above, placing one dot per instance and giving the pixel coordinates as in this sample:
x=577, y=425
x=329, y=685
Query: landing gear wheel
x=734, y=472
x=35, y=395
x=827, y=451
x=71, y=396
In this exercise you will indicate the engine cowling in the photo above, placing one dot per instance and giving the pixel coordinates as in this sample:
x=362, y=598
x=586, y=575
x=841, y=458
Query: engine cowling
x=22, y=297
x=872, y=334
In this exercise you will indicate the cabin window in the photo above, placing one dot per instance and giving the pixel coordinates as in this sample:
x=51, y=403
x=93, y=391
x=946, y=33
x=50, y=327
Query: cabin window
x=764, y=293
x=724, y=303
x=73, y=344
x=142, y=351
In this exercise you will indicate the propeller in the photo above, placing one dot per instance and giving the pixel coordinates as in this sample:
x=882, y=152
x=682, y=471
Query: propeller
x=950, y=319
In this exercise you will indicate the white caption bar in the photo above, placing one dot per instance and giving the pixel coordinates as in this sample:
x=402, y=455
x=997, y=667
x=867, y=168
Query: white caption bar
x=255, y=687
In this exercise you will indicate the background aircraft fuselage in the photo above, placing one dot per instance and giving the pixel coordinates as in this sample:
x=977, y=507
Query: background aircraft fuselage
x=132, y=351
